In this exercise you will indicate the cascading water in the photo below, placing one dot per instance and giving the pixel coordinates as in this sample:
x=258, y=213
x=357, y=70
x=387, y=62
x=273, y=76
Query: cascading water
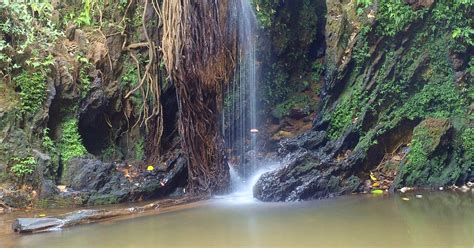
x=240, y=115
x=240, y=111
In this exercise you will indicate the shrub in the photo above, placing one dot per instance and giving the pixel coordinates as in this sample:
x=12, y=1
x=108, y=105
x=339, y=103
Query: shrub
x=393, y=16
x=32, y=91
x=23, y=167
x=70, y=144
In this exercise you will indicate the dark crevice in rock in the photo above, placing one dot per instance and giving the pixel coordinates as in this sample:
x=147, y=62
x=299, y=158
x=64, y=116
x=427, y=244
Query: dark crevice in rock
x=388, y=143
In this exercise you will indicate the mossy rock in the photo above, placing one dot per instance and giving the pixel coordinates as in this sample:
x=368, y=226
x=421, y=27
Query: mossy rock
x=431, y=161
x=103, y=199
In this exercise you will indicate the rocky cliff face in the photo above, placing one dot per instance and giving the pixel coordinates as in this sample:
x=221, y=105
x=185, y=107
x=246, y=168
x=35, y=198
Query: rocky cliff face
x=397, y=104
x=86, y=102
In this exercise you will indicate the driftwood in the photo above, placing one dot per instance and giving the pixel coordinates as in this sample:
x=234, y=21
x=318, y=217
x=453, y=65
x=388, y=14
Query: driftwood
x=35, y=225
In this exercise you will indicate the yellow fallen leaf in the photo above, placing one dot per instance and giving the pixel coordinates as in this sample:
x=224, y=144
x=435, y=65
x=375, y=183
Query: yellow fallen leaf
x=376, y=184
x=150, y=168
x=372, y=177
x=42, y=215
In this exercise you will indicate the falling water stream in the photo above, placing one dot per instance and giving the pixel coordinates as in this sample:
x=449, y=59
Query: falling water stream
x=240, y=115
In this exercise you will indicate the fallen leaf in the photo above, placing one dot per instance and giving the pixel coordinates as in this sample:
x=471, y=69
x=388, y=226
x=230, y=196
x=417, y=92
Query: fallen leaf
x=405, y=199
x=372, y=177
x=150, y=168
x=377, y=191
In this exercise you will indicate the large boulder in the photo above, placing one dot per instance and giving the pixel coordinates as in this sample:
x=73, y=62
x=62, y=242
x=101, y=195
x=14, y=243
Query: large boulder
x=432, y=161
x=87, y=174
x=313, y=169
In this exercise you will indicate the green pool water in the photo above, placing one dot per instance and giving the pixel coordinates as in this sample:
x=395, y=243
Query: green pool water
x=438, y=219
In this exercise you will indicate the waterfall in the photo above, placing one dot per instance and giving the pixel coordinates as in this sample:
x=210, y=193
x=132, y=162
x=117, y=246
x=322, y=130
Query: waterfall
x=240, y=110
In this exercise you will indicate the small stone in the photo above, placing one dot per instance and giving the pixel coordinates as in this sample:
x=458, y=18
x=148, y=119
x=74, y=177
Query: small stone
x=441, y=188
x=62, y=188
x=405, y=189
x=419, y=196
x=464, y=188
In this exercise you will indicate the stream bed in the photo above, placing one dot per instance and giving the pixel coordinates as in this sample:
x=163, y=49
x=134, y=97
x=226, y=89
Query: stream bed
x=438, y=219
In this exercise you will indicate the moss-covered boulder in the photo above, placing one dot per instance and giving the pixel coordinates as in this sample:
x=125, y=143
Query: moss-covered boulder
x=430, y=159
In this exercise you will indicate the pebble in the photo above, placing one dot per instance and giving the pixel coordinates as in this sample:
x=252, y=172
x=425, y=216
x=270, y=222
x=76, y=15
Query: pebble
x=464, y=188
x=419, y=196
x=405, y=189
x=441, y=188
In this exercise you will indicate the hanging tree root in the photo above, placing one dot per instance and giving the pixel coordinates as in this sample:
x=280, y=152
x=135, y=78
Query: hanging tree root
x=199, y=61
x=149, y=85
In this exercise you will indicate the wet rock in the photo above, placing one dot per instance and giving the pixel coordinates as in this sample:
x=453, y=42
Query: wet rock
x=48, y=189
x=306, y=175
x=70, y=31
x=297, y=113
x=87, y=174
x=67, y=90
x=81, y=39
x=93, y=182
x=309, y=141
x=281, y=135
x=16, y=199
x=457, y=62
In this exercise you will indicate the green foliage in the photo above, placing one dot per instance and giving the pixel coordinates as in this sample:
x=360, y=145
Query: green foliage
x=47, y=142
x=394, y=15
x=23, y=166
x=266, y=10
x=32, y=91
x=140, y=149
x=346, y=111
x=70, y=144
x=84, y=18
x=465, y=34
x=84, y=78
x=111, y=153
x=468, y=143
x=298, y=101
x=451, y=16
x=363, y=4
x=317, y=71
x=85, y=82
x=276, y=87
x=438, y=100
x=471, y=67
x=426, y=163
x=130, y=80
x=361, y=51
x=29, y=29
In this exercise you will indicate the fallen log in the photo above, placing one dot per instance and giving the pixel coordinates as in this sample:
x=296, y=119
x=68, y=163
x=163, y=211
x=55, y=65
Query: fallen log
x=35, y=225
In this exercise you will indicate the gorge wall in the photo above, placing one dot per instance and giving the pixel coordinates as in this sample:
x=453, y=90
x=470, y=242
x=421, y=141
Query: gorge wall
x=397, y=103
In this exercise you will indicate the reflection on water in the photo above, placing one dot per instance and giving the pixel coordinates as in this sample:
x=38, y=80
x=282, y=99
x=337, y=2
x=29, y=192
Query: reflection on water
x=439, y=219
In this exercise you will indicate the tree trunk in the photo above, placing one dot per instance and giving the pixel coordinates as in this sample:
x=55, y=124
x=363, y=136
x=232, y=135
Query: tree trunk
x=198, y=60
